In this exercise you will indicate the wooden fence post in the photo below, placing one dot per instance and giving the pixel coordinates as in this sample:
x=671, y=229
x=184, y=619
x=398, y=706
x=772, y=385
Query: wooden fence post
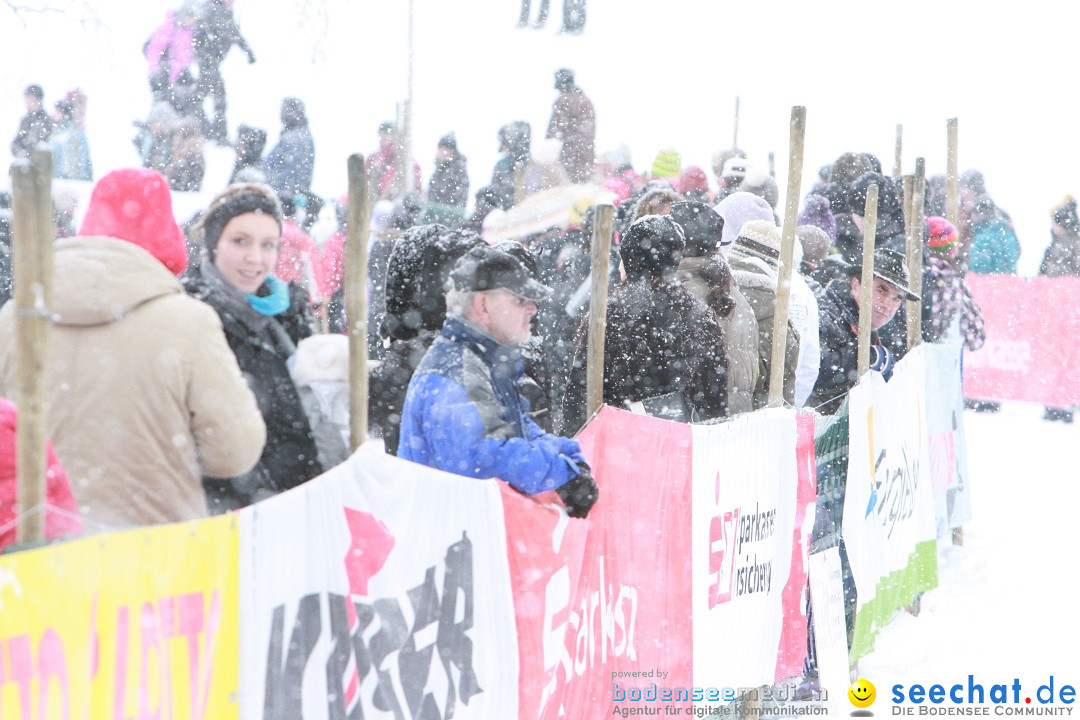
x=866, y=280
x=601, y=263
x=787, y=256
x=915, y=253
x=32, y=239
x=356, y=310
x=898, y=159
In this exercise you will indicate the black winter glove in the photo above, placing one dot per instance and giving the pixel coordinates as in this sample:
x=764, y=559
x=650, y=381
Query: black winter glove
x=579, y=494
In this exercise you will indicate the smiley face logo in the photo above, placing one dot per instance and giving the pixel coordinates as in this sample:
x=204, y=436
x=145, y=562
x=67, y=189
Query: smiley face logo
x=862, y=693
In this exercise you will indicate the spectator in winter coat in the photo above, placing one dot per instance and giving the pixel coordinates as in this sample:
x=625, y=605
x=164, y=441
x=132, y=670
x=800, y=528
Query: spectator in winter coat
x=755, y=262
x=415, y=309
x=839, y=330
x=250, y=144
x=729, y=167
x=155, y=138
x=384, y=174
x=664, y=348
x=573, y=121
x=71, y=151
x=463, y=413
x=215, y=34
x=291, y=163
x=298, y=261
x=804, y=317
x=994, y=248
x=171, y=49
x=515, y=148
x=264, y=319
x=35, y=127
x=188, y=162
x=817, y=211
x=814, y=244
x=145, y=394
x=1062, y=259
x=945, y=294
x=61, y=512
x=448, y=188
x=706, y=274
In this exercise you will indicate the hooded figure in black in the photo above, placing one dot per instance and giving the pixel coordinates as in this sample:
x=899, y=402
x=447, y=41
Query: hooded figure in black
x=250, y=143
x=416, y=276
x=215, y=34
x=262, y=330
x=664, y=347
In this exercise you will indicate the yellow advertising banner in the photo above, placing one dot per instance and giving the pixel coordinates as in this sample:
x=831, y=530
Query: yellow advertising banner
x=123, y=626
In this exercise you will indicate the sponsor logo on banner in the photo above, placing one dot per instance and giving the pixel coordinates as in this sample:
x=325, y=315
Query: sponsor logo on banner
x=737, y=572
x=395, y=653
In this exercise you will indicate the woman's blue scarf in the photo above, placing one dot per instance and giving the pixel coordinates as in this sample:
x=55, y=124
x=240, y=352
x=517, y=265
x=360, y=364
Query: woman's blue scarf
x=276, y=302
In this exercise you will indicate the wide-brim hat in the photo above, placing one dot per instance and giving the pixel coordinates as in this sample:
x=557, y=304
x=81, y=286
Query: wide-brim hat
x=891, y=266
x=487, y=268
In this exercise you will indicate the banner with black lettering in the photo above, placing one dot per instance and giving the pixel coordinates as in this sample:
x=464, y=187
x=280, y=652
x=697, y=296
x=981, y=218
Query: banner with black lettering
x=889, y=526
x=379, y=589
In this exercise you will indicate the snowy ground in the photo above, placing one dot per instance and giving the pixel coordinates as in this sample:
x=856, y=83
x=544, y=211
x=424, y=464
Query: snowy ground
x=1006, y=604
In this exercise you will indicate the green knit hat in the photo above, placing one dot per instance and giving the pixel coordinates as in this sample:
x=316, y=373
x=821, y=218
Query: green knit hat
x=667, y=164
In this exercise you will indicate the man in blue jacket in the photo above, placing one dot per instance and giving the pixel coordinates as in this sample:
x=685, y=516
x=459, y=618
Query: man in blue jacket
x=463, y=413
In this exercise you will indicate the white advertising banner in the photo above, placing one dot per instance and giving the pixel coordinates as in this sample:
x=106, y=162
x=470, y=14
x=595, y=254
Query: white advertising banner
x=744, y=507
x=379, y=589
x=889, y=525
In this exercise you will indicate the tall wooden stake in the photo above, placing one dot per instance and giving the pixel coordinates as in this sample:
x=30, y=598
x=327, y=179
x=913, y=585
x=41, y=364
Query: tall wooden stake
x=897, y=162
x=787, y=257
x=735, y=137
x=914, y=253
x=32, y=238
x=952, y=214
x=601, y=263
x=866, y=280
x=952, y=176
x=356, y=310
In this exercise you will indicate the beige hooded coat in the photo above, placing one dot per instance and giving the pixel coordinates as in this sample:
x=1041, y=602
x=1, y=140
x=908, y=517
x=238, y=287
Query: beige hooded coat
x=144, y=394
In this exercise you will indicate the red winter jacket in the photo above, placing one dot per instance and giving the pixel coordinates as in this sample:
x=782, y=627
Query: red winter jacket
x=61, y=517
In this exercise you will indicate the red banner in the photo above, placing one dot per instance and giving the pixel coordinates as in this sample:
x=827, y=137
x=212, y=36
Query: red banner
x=1030, y=353
x=620, y=611
x=792, y=652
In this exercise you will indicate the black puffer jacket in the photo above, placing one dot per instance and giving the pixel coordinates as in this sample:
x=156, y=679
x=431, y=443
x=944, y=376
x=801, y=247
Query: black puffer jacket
x=262, y=344
x=838, y=323
x=415, y=309
x=660, y=339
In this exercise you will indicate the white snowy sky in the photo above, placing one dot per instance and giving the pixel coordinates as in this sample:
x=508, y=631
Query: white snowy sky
x=660, y=74
x=668, y=74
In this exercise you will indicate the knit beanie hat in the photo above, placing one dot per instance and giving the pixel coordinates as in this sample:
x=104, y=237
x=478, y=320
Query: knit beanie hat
x=759, y=239
x=693, y=179
x=814, y=242
x=736, y=209
x=652, y=247
x=816, y=211
x=1065, y=214
x=237, y=199
x=942, y=235
x=702, y=226
x=134, y=204
x=668, y=164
